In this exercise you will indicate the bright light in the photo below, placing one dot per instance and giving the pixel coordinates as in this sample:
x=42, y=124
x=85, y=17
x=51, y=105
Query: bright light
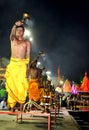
x=49, y=78
x=38, y=64
x=61, y=82
x=48, y=72
x=27, y=33
x=31, y=39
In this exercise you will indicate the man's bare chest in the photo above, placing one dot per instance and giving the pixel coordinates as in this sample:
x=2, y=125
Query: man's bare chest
x=19, y=45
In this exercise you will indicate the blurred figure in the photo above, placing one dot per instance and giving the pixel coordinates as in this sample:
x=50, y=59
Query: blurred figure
x=3, y=105
x=3, y=94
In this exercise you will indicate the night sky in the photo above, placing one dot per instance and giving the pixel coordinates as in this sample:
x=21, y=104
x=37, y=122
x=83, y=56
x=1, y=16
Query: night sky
x=61, y=30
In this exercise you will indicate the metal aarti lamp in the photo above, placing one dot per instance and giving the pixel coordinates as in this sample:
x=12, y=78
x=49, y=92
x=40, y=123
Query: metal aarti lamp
x=25, y=17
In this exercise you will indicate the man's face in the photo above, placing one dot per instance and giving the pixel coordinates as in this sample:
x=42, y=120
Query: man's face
x=19, y=32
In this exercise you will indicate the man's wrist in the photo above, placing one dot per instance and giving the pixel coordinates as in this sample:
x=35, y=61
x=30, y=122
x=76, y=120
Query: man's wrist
x=15, y=25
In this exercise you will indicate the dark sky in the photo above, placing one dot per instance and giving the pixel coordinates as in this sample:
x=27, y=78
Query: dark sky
x=61, y=30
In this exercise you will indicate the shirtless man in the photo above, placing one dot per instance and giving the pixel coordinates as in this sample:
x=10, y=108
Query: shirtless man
x=35, y=91
x=34, y=71
x=17, y=71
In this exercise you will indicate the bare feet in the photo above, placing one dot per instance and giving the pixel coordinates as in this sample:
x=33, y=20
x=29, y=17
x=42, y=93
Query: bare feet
x=12, y=109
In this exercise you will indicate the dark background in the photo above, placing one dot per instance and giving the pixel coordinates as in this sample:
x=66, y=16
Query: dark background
x=60, y=29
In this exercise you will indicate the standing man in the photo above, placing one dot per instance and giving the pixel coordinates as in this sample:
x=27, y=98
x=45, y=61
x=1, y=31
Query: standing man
x=17, y=71
x=35, y=89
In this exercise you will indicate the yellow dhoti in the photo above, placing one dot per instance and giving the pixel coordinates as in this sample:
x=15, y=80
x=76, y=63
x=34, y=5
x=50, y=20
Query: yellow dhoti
x=16, y=81
x=34, y=91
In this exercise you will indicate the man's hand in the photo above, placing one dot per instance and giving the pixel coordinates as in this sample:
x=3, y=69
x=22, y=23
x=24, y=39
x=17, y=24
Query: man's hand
x=18, y=23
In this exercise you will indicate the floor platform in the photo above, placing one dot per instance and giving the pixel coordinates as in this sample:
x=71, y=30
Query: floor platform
x=64, y=121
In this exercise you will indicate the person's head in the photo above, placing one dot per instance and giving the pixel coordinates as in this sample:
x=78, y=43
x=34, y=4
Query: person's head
x=33, y=64
x=20, y=30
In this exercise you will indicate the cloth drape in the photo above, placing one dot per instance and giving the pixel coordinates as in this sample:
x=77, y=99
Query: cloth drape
x=16, y=81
